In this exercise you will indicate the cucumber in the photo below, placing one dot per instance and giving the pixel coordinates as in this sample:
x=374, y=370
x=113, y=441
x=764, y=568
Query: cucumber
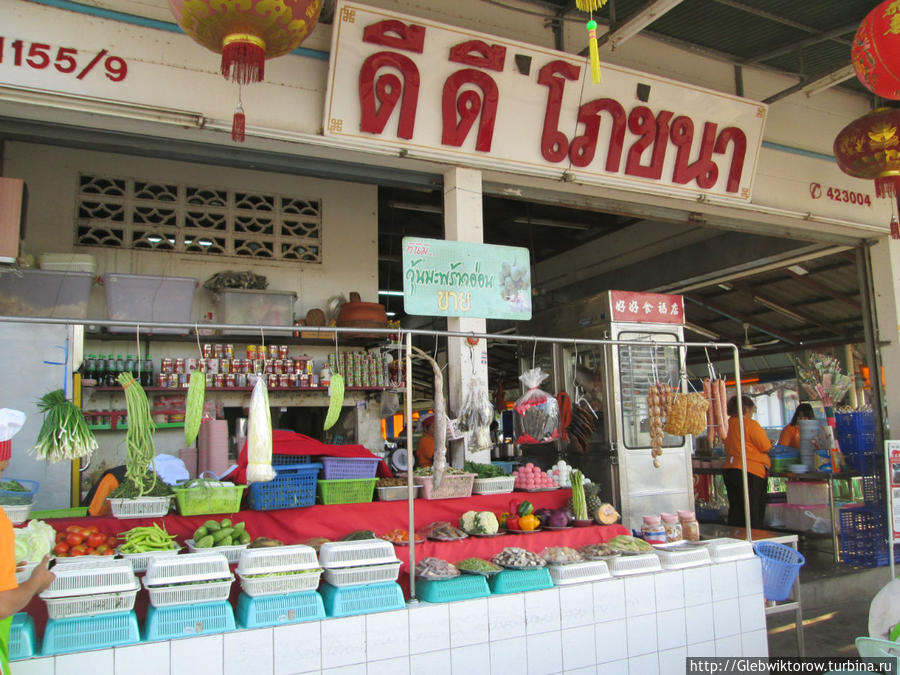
x=221, y=534
x=244, y=538
x=200, y=532
x=225, y=541
x=212, y=526
x=206, y=542
x=225, y=522
x=238, y=527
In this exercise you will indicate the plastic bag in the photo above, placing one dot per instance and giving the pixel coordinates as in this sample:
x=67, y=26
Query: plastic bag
x=259, y=436
x=820, y=525
x=390, y=403
x=476, y=416
x=535, y=413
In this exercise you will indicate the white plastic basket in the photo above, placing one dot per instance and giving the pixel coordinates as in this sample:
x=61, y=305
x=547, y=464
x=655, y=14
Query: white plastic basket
x=396, y=493
x=23, y=573
x=360, y=576
x=579, y=573
x=302, y=580
x=163, y=596
x=334, y=554
x=493, y=486
x=679, y=555
x=232, y=553
x=187, y=568
x=724, y=550
x=115, y=576
x=139, y=561
x=277, y=559
x=140, y=507
x=89, y=605
x=17, y=513
x=623, y=565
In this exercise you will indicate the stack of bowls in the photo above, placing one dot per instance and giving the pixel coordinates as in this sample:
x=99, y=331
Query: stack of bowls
x=809, y=429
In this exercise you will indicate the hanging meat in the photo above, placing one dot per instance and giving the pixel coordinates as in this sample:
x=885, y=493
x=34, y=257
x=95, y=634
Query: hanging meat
x=659, y=403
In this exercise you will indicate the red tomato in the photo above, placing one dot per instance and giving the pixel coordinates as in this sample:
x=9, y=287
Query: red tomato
x=85, y=533
x=92, y=528
x=101, y=549
x=91, y=551
x=60, y=537
x=62, y=548
x=80, y=549
x=73, y=528
x=111, y=541
x=74, y=539
x=109, y=551
x=94, y=539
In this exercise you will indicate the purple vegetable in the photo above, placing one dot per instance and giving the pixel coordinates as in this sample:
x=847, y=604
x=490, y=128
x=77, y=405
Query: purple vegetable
x=543, y=515
x=559, y=518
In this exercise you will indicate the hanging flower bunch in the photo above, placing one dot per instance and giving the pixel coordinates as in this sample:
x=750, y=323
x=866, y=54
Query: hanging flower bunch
x=820, y=375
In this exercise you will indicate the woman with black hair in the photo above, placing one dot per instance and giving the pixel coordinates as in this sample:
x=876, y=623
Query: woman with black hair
x=790, y=435
x=757, y=445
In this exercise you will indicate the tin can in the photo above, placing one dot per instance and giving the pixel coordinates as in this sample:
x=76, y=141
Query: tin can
x=179, y=366
x=218, y=380
x=230, y=381
x=229, y=351
x=272, y=381
x=314, y=380
x=206, y=349
x=183, y=380
x=219, y=351
x=251, y=351
x=225, y=366
x=273, y=351
x=284, y=381
x=209, y=379
x=240, y=380
x=278, y=366
x=190, y=365
x=303, y=379
x=167, y=366
x=202, y=364
x=282, y=351
x=173, y=380
x=212, y=365
x=162, y=380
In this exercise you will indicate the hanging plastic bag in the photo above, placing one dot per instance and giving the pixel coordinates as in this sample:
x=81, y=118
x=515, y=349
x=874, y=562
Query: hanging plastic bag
x=820, y=525
x=390, y=403
x=476, y=416
x=535, y=413
x=259, y=436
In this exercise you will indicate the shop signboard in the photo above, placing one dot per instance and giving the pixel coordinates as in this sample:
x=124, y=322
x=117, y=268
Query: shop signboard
x=444, y=93
x=633, y=307
x=455, y=278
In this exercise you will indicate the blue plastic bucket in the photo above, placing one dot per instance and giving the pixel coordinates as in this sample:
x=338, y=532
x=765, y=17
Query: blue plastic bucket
x=780, y=566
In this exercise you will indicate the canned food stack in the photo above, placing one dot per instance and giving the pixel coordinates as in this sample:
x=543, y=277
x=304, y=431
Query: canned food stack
x=360, y=577
x=359, y=368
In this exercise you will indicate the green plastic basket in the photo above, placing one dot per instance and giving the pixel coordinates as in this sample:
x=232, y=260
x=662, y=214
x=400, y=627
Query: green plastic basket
x=199, y=501
x=463, y=587
x=347, y=491
x=74, y=512
x=519, y=581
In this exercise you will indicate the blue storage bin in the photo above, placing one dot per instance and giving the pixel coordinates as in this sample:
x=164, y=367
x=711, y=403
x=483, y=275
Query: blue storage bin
x=463, y=587
x=27, y=495
x=83, y=633
x=506, y=466
x=855, y=433
x=353, y=600
x=519, y=581
x=294, y=486
x=22, y=638
x=176, y=621
x=863, y=536
x=274, y=610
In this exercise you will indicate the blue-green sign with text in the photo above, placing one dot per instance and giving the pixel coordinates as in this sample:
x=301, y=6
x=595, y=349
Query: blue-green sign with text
x=453, y=278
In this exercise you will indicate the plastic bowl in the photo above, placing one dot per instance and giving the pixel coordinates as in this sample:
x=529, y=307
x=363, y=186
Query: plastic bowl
x=798, y=468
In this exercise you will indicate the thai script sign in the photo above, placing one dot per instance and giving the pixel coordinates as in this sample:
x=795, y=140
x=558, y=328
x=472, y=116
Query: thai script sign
x=453, y=278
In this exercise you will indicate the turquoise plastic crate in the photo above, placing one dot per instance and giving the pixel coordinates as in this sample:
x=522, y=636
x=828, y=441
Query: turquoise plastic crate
x=294, y=486
x=175, y=621
x=274, y=610
x=463, y=587
x=22, y=639
x=353, y=600
x=83, y=633
x=519, y=581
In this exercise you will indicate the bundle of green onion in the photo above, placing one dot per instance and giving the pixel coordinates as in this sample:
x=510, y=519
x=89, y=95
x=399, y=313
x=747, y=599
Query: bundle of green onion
x=64, y=435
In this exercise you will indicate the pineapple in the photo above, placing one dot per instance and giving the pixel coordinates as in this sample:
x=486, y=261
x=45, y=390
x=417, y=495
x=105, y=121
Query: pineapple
x=590, y=497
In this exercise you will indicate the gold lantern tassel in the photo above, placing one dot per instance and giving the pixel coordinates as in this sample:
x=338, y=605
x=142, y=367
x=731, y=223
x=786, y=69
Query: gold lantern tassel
x=595, y=53
x=589, y=5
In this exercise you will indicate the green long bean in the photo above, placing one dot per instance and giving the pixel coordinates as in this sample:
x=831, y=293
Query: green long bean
x=139, y=467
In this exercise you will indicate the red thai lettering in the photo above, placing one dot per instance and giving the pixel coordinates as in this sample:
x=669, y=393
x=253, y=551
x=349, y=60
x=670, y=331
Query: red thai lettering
x=396, y=34
x=479, y=54
x=704, y=169
x=378, y=98
x=554, y=143
x=738, y=140
x=652, y=131
x=462, y=107
x=585, y=146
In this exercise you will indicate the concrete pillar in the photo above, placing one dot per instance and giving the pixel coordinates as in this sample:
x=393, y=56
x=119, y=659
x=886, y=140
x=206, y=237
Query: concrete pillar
x=465, y=362
x=885, y=256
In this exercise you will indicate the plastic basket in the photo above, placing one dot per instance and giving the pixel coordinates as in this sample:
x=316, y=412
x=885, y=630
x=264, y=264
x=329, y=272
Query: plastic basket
x=624, y=565
x=17, y=514
x=165, y=623
x=84, y=633
x=302, y=580
x=493, y=486
x=232, y=553
x=139, y=561
x=74, y=512
x=140, y=507
x=873, y=489
x=863, y=536
x=463, y=587
x=354, y=600
x=347, y=491
x=277, y=559
x=681, y=555
x=519, y=581
x=780, y=566
x=22, y=638
x=274, y=610
x=726, y=550
x=279, y=460
x=452, y=486
x=855, y=432
x=189, y=578
x=91, y=605
x=203, y=500
x=294, y=486
x=338, y=468
x=336, y=554
x=396, y=493
x=579, y=573
x=87, y=578
x=367, y=574
x=31, y=489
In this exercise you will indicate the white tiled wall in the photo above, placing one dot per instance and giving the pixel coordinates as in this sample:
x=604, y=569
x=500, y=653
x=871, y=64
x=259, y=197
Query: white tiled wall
x=643, y=624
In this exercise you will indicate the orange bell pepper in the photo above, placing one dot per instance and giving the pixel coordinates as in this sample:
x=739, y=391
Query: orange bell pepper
x=529, y=522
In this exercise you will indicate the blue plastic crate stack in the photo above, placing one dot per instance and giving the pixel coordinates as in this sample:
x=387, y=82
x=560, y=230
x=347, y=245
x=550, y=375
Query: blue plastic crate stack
x=360, y=577
x=864, y=536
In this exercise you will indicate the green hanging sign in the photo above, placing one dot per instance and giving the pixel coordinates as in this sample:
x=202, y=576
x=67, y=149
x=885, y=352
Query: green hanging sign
x=453, y=278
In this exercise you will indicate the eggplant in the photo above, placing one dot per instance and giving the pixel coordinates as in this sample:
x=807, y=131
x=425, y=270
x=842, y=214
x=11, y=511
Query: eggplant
x=544, y=515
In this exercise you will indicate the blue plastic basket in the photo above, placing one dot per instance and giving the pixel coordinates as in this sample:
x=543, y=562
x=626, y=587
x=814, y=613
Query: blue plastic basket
x=175, y=621
x=22, y=638
x=274, y=610
x=353, y=600
x=31, y=488
x=519, y=581
x=863, y=536
x=83, y=633
x=463, y=587
x=278, y=460
x=780, y=566
x=341, y=468
x=294, y=486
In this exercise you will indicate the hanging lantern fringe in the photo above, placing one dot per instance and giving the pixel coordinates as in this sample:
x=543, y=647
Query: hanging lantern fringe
x=895, y=228
x=589, y=5
x=243, y=58
x=887, y=187
x=238, y=124
x=595, y=53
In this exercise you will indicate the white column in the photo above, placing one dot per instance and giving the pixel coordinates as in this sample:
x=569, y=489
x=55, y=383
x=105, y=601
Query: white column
x=886, y=281
x=463, y=222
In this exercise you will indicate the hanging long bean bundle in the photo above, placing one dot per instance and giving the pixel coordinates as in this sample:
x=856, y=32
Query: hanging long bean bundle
x=64, y=435
x=139, y=438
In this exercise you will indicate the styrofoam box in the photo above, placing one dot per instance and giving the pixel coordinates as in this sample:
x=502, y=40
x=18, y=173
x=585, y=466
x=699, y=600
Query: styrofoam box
x=44, y=293
x=800, y=517
x=140, y=297
x=807, y=492
x=250, y=307
x=68, y=262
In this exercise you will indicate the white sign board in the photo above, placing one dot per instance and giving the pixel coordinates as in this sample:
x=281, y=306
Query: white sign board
x=438, y=92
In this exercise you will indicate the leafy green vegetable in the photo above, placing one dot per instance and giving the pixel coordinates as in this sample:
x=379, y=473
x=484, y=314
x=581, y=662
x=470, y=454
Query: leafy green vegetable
x=12, y=486
x=484, y=470
x=128, y=490
x=34, y=541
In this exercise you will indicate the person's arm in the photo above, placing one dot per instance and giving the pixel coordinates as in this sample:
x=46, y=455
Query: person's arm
x=787, y=434
x=758, y=437
x=15, y=599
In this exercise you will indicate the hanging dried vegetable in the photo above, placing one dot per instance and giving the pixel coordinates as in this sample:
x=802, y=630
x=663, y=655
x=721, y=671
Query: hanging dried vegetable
x=687, y=415
x=439, y=461
x=585, y=422
x=659, y=403
x=476, y=415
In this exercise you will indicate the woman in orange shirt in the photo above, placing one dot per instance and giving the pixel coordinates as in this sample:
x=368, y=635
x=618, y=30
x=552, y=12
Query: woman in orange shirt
x=425, y=447
x=758, y=462
x=790, y=435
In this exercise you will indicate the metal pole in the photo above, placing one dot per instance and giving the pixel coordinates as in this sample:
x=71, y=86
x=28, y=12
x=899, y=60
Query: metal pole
x=410, y=457
x=740, y=413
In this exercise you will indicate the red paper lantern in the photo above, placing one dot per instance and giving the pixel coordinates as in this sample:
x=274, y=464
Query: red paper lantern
x=876, y=50
x=870, y=148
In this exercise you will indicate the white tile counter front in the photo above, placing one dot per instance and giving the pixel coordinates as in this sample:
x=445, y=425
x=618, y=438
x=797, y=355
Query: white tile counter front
x=643, y=624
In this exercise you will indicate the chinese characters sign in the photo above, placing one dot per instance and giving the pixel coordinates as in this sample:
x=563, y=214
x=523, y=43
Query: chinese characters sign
x=445, y=93
x=452, y=278
x=646, y=307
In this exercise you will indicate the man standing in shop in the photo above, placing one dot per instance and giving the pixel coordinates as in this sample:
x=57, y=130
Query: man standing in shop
x=425, y=446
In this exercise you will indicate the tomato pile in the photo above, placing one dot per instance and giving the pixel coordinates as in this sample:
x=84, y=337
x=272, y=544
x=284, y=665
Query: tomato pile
x=78, y=540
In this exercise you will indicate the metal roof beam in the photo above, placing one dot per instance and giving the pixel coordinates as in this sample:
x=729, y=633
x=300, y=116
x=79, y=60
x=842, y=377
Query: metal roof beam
x=819, y=286
x=802, y=44
x=637, y=22
x=752, y=322
x=792, y=312
x=817, y=84
x=777, y=18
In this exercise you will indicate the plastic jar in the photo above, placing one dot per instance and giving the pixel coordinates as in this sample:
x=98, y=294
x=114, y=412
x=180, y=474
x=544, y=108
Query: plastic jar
x=690, y=528
x=653, y=530
x=672, y=527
